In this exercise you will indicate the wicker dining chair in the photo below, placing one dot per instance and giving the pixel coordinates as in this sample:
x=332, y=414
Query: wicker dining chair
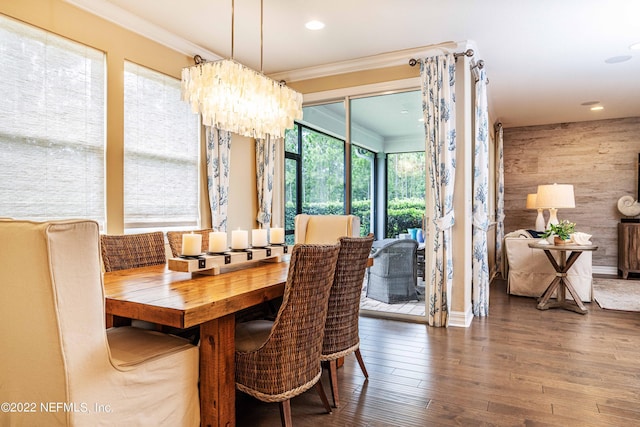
x=120, y=252
x=278, y=360
x=175, y=240
x=341, y=336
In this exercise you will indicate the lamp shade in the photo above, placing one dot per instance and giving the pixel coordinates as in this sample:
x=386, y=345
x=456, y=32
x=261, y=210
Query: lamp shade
x=531, y=201
x=555, y=196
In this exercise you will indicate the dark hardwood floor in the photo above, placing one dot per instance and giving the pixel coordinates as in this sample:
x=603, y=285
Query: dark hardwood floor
x=518, y=367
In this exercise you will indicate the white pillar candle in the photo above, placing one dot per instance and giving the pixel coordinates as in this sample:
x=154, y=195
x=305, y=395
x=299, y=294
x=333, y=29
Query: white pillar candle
x=217, y=241
x=191, y=244
x=239, y=239
x=277, y=235
x=259, y=237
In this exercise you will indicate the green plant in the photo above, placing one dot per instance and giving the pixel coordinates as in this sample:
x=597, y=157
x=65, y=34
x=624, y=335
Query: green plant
x=563, y=230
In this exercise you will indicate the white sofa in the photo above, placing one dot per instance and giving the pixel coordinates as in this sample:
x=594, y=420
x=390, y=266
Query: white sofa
x=529, y=272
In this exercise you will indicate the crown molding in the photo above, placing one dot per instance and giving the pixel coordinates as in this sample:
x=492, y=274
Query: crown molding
x=383, y=60
x=112, y=13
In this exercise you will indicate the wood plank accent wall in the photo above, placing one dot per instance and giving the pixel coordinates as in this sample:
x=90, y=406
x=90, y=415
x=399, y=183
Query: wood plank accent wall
x=600, y=159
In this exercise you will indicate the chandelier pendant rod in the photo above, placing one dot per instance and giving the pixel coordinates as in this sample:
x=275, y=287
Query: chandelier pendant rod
x=233, y=20
x=233, y=97
x=261, y=33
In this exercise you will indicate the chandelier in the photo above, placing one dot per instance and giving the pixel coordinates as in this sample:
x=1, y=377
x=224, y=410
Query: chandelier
x=233, y=97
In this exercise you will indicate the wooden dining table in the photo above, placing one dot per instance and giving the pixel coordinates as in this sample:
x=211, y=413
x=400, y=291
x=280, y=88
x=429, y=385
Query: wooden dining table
x=159, y=295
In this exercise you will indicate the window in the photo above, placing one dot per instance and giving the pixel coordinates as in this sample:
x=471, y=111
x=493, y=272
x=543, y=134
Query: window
x=388, y=124
x=406, y=182
x=314, y=174
x=161, y=147
x=292, y=173
x=362, y=187
x=322, y=173
x=52, y=126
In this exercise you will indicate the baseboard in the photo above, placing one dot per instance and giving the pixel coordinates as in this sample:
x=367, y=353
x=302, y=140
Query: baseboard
x=461, y=319
x=394, y=316
x=457, y=319
x=603, y=269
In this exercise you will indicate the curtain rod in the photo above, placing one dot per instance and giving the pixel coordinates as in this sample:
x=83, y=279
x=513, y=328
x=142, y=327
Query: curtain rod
x=479, y=65
x=475, y=69
x=468, y=52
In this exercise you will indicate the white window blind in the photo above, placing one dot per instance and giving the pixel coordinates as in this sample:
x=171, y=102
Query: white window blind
x=52, y=126
x=161, y=147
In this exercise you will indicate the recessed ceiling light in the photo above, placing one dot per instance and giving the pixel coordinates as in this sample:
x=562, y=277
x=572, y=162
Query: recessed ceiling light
x=617, y=59
x=314, y=25
x=597, y=108
x=404, y=111
x=421, y=119
x=635, y=46
x=590, y=103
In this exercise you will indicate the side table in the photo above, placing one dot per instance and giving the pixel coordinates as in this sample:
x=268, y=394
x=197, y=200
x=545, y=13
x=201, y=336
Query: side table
x=561, y=282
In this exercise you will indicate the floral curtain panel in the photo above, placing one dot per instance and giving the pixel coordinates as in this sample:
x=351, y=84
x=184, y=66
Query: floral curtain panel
x=480, y=264
x=438, y=105
x=265, y=168
x=499, y=196
x=218, y=159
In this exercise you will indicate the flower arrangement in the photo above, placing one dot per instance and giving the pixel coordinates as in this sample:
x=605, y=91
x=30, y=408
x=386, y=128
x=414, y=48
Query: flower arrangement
x=563, y=230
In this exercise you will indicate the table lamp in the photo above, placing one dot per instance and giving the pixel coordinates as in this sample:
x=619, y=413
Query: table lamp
x=554, y=197
x=531, y=204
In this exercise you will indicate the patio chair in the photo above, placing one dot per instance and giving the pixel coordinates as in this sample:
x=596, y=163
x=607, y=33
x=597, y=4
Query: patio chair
x=393, y=276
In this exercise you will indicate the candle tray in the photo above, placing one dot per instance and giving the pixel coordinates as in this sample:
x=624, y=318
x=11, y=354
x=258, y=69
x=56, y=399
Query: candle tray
x=212, y=264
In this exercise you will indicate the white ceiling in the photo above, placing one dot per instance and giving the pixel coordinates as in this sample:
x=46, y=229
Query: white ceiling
x=543, y=58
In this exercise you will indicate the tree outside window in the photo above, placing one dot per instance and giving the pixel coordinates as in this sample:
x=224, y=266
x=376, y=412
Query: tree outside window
x=406, y=179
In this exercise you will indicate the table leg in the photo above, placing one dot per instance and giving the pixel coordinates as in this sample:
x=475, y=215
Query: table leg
x=217, y=372
x=562, y=271
x=578, y=307
x=544, y=303
x=560, y=283
x=116, y=321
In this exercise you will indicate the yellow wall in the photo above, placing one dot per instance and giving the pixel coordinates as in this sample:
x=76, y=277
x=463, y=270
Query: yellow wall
x=119, y=45
x=341, y=81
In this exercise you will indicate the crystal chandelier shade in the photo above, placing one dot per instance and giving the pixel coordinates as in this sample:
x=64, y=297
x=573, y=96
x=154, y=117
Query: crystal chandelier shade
x=233, y=97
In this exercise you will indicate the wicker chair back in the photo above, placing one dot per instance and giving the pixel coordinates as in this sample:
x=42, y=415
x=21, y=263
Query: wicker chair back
x=341, y=329
x=175, y=240
x=341, y=336
x=120, y=252
x=288, y=363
